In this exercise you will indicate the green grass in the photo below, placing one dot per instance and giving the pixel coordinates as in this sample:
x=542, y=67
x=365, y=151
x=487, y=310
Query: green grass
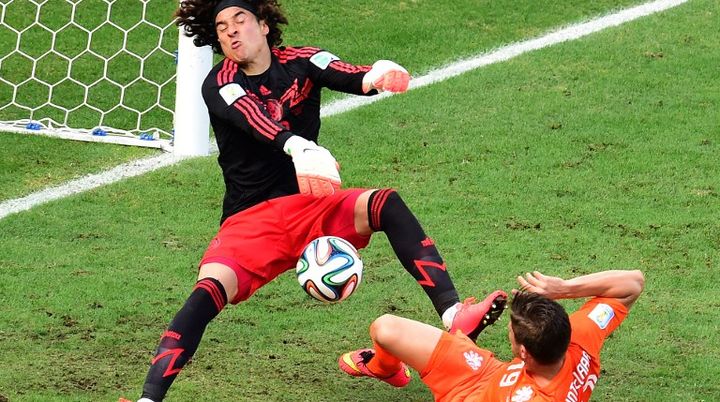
x=598, y=153
x=36, y=162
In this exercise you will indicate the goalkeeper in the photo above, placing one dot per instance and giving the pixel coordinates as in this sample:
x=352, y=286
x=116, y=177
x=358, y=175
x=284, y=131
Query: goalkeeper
x=282, y=188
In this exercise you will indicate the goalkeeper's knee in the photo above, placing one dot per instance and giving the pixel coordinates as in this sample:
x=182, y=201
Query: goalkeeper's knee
x=383, y=206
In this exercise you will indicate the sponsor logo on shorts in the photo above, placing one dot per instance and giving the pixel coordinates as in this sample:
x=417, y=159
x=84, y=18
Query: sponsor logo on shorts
x=601, y=315
x=323, y=59
x=473, y=359
x=232, y=92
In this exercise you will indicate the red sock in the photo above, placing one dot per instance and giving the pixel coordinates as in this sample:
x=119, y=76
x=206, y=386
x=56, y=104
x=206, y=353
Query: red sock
x=383, y=364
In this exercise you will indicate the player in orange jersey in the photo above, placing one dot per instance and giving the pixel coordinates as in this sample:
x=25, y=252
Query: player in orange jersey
x=556, y=356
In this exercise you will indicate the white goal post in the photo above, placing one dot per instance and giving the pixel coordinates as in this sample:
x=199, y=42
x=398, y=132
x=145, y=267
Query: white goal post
x=116, y=71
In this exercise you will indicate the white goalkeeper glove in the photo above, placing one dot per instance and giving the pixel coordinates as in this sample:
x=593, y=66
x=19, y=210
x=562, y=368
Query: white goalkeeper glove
x=386, y=75
x=315, y=167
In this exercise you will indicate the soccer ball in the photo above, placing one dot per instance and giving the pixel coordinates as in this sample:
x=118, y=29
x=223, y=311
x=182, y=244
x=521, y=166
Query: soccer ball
x=329, y=269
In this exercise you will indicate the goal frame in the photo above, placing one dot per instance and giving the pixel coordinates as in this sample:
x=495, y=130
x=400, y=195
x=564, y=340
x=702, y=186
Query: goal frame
x=190, y=134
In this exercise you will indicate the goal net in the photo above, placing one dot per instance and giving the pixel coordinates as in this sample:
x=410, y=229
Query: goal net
x=102, y=70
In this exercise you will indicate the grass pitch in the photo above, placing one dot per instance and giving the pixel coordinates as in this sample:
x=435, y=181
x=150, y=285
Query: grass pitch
x=592, y=154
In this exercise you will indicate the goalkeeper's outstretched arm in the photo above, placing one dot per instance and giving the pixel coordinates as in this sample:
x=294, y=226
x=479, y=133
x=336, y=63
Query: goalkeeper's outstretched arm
x=330, y=71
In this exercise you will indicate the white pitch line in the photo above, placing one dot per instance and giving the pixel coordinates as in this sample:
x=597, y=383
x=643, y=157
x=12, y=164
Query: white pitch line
x=130, y=169
x=504, y=53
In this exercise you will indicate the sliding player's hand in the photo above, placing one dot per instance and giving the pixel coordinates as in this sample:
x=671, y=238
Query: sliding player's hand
x=386, y=75
x=315, y=167
x=549, y=286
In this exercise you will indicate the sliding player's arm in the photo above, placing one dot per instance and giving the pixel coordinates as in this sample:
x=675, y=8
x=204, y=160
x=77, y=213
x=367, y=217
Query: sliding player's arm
x=625, y=286
x=612, y=292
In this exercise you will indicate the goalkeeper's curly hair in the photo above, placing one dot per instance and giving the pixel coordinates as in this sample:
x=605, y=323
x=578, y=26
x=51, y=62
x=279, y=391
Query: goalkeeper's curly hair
x=197, y=17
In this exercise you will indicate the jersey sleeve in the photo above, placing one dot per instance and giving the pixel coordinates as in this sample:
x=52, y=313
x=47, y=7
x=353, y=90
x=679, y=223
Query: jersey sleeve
x=331, y=72
x=232, y=103
x=595, y=321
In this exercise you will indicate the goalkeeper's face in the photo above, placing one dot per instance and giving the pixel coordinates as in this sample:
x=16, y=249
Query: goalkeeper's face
x=241, y=35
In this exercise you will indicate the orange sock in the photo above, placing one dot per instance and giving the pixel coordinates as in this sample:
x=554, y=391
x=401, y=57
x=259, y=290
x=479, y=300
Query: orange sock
x=383, y=364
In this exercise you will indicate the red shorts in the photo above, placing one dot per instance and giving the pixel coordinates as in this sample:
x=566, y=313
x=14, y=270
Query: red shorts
x=458, y=367
x=267, y=239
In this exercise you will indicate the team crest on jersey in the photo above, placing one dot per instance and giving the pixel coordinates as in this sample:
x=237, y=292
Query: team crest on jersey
x=473, y=359
x=232, y=92
x=601, y=315
x=323, y=59
x=523, y=394
x=274, y=108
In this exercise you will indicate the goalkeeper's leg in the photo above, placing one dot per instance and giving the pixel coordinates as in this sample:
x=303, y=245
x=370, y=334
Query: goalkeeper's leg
x=180, y=341
x=387, y=212
x=384, y=210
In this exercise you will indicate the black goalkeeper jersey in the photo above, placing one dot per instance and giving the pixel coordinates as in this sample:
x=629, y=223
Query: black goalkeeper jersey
x=253, y=116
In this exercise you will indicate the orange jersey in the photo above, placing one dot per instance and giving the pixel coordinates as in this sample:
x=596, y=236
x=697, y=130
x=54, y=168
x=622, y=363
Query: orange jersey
x=575, y=381
x=460, y=371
